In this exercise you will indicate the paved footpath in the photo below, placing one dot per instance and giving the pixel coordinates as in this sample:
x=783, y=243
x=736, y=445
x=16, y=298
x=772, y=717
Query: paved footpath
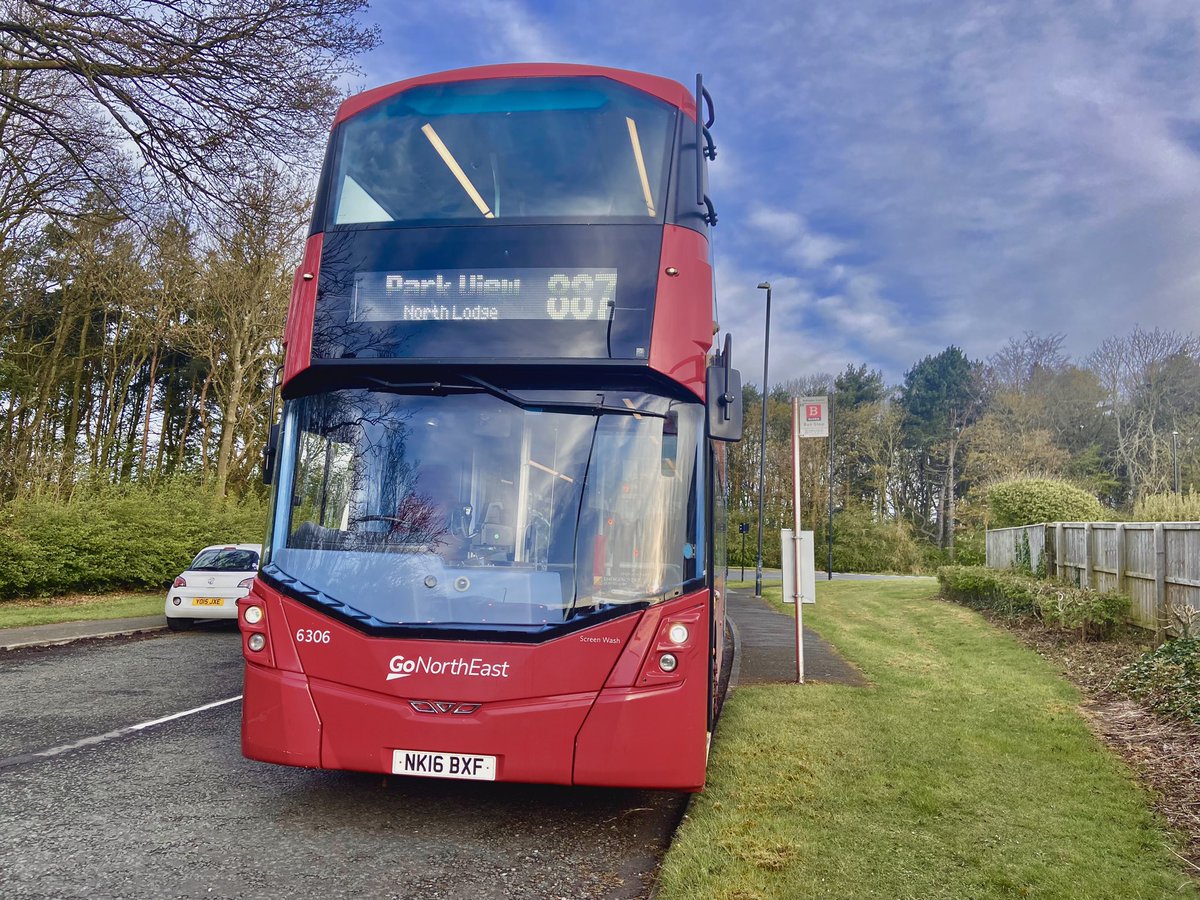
x=766, y=646
x=65, y=632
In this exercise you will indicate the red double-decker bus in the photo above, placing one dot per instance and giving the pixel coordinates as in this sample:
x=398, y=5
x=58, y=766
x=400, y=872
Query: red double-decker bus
x=496, y=544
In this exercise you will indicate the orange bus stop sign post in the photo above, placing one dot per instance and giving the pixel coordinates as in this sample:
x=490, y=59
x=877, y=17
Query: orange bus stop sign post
x=795, y=548
x=810, y=418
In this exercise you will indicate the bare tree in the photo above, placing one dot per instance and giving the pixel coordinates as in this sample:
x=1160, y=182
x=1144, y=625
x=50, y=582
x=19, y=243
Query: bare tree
x=1020, y=361
x=814, y=384
x=199, y=93
x=243, y=299
x=1145, y=375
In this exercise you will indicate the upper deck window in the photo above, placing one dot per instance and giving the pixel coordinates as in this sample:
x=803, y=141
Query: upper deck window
x=522, y=148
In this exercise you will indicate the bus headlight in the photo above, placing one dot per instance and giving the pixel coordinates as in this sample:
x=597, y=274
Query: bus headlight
x=253, y=615
x=667, y=662
x=256, y=642
x=678, y=633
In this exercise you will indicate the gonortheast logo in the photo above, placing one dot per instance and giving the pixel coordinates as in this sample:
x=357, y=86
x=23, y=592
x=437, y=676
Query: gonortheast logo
x=471, y=668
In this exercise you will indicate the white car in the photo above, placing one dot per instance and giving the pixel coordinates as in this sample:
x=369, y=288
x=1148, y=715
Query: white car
x=212, y=584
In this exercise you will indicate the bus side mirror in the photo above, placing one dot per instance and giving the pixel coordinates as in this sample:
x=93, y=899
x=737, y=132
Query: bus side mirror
x=269, y=453
x=723, y=393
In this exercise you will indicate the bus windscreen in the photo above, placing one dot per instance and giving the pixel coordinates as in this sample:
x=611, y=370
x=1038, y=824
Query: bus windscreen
x=505, y=149
x=467, y=509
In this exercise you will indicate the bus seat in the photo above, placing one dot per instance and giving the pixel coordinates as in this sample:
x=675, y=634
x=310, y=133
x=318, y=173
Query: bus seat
x=496, y=531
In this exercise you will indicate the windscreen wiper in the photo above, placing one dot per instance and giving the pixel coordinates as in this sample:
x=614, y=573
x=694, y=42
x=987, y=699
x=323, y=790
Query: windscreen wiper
x=568, y=406
x=475, y=384
x=432, y=387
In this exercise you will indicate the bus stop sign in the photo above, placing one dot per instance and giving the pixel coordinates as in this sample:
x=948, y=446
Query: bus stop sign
x=814, y=419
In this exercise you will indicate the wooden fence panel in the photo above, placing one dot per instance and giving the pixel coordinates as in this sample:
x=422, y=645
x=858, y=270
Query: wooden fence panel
x=1139, y=566
x=1182, y=580
x=1003, y=546
x=1075, y=552
x=1156, y=563
x=1037, y=546
x=1106, y=565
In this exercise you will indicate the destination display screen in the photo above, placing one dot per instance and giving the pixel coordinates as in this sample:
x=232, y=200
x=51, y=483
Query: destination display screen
x=485, y=295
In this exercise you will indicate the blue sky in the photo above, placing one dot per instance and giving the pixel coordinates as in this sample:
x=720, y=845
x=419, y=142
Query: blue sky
x=908, y=175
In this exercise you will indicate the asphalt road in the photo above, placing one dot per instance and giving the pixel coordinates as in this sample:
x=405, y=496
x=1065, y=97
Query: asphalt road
x=91, y=806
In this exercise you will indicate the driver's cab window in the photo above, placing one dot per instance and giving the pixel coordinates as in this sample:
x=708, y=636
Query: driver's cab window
x=322, y=494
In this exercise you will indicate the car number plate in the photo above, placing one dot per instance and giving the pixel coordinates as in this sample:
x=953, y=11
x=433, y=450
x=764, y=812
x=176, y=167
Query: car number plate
x=208, y=601
x=444, y=765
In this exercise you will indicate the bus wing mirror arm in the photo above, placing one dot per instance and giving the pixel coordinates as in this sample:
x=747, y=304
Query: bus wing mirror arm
x=268, y=473
x=270, y=451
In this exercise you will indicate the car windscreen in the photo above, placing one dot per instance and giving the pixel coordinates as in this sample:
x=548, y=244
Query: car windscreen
x=225, y=559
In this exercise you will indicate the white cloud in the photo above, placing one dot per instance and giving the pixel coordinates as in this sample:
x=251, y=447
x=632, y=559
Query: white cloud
x=910, y=176
x=792, y=234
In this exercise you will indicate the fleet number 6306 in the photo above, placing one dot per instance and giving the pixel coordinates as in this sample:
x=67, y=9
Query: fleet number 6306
x=309, y=636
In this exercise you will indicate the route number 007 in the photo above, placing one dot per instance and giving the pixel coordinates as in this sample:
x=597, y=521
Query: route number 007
x=581, y=297
x=308, y=636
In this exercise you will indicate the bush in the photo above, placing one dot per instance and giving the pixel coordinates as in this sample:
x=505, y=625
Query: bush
x=1167, y=680
x=1034, y=500
x=863, y=544
x=117, y=537
x=1014, y=594
x=997, y=590
x=1168, y=508
x=860, y=543
x=1094, y=613
x=970, y=547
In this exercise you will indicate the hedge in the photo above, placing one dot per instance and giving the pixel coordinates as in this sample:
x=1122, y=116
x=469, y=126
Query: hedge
x=1029, y=501
x=1014, y=594
x=118, y=537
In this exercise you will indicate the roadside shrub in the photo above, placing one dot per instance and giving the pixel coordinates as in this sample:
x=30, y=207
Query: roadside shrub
x=970, y=547
x=1034, y=500
x=998, y=590
x=1016, y=594
x=1094, y=613
x=117, y=537
x=1166, y=679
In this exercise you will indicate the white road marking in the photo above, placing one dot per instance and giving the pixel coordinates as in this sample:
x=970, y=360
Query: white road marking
x=111, y=735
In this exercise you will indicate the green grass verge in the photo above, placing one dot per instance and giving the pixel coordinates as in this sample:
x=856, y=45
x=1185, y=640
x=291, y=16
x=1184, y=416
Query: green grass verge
x=965, y=770
x=16, y=613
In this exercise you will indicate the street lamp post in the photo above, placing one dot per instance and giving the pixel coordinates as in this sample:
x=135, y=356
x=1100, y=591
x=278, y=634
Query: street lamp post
x=1175, y=458
x=762, y=454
